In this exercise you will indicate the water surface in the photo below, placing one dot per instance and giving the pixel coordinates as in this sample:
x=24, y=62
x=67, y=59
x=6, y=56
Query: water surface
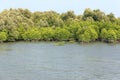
x=45, y=61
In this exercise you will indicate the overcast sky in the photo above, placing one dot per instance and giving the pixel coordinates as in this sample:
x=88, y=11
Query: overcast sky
x=78, y=6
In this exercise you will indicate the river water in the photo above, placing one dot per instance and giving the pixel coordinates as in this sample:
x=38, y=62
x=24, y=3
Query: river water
x=46, y=61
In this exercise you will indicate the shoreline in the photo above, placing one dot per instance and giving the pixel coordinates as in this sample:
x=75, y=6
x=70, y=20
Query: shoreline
x=117, y=42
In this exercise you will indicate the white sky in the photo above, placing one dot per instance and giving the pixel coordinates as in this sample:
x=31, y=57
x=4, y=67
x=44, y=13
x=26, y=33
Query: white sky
x=78, y=6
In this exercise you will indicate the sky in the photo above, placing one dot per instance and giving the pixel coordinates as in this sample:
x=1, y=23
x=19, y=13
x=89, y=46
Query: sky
x=78, y=6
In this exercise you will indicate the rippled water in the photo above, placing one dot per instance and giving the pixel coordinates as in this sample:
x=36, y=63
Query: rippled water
x=45, y=61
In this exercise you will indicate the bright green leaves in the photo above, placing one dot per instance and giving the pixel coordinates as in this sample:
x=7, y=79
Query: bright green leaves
x=32, y=34
x=87, y=34
x=3, y=36
x=61, y=34
x=108, y=35
x=47, y=34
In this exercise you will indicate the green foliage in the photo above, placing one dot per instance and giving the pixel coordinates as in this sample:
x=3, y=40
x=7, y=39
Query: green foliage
x=84, y=37
x=68, y=15
x=111, y=35
x=108, y=35
x=103, y=34
x=87, y=34
x=21, y=31
x=47, y=34
x=94, y=15
x=73, y=28
x=118, y=34
x=12, y=34
x=93, y=25
x=32, y=34
x=61, y=34
x=3, y=36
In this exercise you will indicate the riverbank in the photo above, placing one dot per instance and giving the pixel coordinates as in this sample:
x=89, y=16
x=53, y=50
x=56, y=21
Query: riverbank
x=61, y=43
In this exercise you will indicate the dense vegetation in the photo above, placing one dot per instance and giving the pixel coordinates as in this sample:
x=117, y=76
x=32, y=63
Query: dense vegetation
x=93, y=25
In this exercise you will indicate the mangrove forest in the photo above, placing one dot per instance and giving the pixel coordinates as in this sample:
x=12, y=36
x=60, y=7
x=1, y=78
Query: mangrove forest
x=25, y=25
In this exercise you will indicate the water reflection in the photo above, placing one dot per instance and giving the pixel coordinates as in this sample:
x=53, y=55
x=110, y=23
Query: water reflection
x=4, y=49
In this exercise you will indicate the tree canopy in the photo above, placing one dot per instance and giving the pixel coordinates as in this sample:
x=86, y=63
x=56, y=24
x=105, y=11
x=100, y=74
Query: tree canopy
x=92, y=25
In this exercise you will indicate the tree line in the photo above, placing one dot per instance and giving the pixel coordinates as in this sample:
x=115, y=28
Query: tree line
x=24, y=25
